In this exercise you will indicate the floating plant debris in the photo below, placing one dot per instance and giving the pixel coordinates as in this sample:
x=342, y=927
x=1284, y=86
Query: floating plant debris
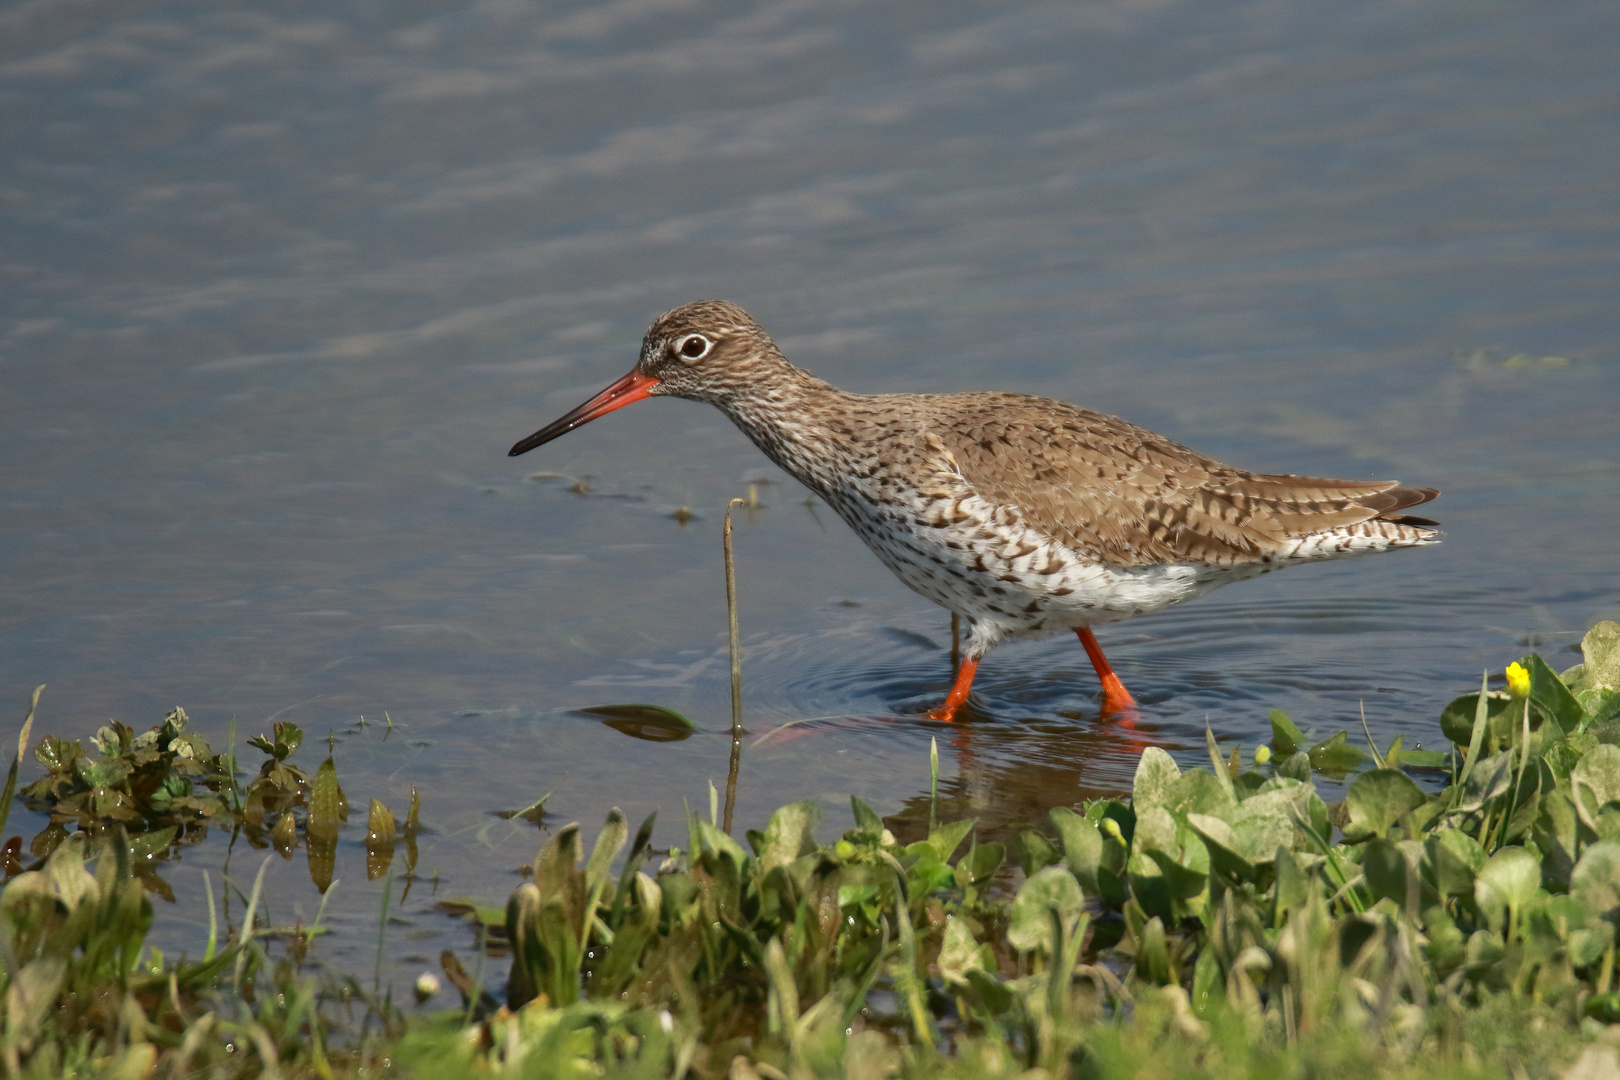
x=652, y=723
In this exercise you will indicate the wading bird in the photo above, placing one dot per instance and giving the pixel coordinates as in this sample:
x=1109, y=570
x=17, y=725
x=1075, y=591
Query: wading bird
x=1020, y=514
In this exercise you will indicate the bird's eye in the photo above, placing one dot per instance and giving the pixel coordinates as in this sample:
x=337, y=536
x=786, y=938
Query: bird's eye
x=693, y=346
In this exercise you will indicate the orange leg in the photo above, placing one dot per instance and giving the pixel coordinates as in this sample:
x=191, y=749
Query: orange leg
x=1116, y=699
x=959, y=690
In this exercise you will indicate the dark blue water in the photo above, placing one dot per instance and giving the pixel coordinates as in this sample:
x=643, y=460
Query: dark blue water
x=279, y=286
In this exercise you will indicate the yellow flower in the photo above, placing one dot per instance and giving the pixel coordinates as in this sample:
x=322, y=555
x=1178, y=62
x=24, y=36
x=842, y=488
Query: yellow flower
x=1518, y=680
x=1262, y=754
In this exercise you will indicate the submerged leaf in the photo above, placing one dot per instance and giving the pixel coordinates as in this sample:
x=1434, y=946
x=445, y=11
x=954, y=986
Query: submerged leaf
x=325, y=803
x=1335, y=756
x=1285, y=734
x=534, y=813
x=379, y=840
x=322, y=851
x=149, y=845
x=285, y=834
x=650, y=723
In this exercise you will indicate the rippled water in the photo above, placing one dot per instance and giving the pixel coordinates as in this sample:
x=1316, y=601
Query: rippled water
x=282, y=284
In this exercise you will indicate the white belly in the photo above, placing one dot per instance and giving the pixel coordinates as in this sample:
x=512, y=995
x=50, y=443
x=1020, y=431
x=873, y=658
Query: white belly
x=1013, y=581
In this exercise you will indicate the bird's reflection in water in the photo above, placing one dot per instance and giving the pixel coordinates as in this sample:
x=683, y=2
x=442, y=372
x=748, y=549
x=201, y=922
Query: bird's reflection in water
x=1008, y=776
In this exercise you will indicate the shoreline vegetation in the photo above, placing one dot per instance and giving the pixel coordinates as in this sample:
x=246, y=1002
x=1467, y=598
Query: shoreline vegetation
x=1219, y=921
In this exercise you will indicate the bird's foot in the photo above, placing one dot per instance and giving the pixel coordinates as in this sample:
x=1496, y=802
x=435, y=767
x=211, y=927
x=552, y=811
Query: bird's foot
x=959, y=692
x=1115, y=697
x=1117, y=700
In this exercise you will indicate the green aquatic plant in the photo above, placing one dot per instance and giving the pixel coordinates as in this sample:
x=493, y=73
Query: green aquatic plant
x=162, y=787
x=165, y=788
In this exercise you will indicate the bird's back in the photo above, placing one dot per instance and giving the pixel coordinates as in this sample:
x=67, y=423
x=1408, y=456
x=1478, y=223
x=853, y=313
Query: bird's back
x=1120, y=495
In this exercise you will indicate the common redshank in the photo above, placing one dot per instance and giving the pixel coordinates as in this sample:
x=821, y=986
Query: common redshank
x=1020, y=514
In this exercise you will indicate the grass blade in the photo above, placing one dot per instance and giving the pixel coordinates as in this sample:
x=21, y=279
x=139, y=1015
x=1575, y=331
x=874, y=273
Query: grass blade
x=213, y=921
x=731, y=612
x=1477, y=738
x=1378, y=759
x=16, y=762
x=933, y=785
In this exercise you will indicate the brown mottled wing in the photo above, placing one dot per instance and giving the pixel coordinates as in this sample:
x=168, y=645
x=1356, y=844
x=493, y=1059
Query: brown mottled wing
x=1125, y=496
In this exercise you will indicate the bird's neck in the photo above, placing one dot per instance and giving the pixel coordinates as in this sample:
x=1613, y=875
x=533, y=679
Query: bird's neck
x=799, y=421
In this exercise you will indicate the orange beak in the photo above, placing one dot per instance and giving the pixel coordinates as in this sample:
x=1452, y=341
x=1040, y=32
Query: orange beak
x=633, y=387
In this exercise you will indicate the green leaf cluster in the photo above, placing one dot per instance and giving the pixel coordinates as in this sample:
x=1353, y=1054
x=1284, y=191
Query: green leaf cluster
x=165, y=787
x=748, y=942
x=162, y=787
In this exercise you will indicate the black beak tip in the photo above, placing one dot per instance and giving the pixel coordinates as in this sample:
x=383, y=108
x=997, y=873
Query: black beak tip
x=523, y=446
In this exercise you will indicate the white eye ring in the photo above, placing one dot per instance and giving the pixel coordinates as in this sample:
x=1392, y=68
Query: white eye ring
x=693, y=347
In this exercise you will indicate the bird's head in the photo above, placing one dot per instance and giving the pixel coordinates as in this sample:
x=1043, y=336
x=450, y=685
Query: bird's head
x=705, y=351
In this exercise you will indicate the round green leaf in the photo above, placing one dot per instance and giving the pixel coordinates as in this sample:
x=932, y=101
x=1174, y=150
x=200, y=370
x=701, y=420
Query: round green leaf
x=1156, y=773
x=1199, y=792
x=1601, y=649
x=1377, y=800
x=1597, y=777
x=1596, y=880
x=1457, y=718
x=1029, y=924
x=1385, y=866
x=1512, y=875
x=1082, y=845
x=1452, y=859
x=1221, y=841
x=959, y=953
